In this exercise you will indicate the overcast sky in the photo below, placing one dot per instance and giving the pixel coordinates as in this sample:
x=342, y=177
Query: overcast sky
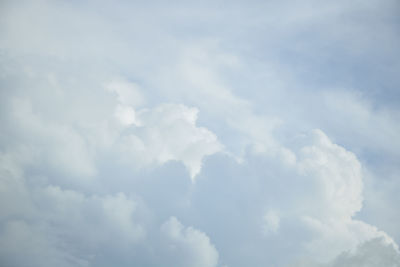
x=200, y=133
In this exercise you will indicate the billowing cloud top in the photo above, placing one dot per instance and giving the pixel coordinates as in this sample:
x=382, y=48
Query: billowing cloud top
x=212, y=134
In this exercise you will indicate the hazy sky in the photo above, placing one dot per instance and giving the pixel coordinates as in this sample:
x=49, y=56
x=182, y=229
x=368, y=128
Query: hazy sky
x=200, y=133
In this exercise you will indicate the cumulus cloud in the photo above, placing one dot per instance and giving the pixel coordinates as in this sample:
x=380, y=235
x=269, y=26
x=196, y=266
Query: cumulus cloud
x=169, y=132
x=59, y=145
x=188, y=246
x=129, y=97
x=369, y=254
x=47, y=220
x=374, y=252
x=73, y=229
x=248, y=134
x=128, y=93
x=338, y=173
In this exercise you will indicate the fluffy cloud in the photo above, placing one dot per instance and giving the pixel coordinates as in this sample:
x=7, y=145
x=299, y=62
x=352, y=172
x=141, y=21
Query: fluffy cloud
x=56, y=143
x=166, y=135
x=169, y=132
x=68, y=228
x=337, y=173
x=369, y=254
x=157, y=135
x=307, y=191
x=65, y=225
x=188, y=246
x=374, y=252
x=312, y=202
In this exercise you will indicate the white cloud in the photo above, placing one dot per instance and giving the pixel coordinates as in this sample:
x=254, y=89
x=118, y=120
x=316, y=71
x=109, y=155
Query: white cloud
x=57, y=145
x=337, y=172
x=128, y=97
x=128, y=93
x=126, y=115
x=188, y=246
x=337, y=177
x=169, y=132
x=372, y=253
x=92, y=165
x=63, y=227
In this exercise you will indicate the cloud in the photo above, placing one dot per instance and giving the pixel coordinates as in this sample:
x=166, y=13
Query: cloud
x=64, y=227
x=182, y=135
x=169, y=132
x=194, y=245
x=312, y=202
x=337, y=171
x=18, y=236
x=369, y=254
x=128, y=93
x=374, y=252
x=68, y=228
x=129, y=97
x=271, y=222
x=58, y=145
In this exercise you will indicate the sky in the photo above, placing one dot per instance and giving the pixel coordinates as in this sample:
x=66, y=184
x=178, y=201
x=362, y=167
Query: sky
x=199, y=133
